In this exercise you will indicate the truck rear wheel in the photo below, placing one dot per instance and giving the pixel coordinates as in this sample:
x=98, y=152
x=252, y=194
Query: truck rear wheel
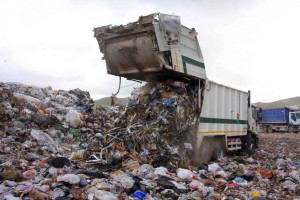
x=249, y=144
x=252, y=146
x=291, y=129
x=220, y=153
x=265, y=129
x=221, y=150
x=270, y=129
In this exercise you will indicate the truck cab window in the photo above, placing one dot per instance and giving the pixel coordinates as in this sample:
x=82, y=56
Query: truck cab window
x=293, y=116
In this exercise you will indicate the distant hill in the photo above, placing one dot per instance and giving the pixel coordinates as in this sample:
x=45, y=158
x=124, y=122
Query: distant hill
x=292, y=103
x=105, y=101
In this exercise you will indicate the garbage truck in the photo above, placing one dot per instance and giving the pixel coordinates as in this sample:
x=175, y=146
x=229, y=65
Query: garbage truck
x=279, y=119
x=158, y=48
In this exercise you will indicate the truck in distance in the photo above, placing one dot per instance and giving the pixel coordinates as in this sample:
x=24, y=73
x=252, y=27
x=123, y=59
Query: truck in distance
x=279, y=119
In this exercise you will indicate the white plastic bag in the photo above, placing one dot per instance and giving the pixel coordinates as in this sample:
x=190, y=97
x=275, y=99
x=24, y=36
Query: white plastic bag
x=37, y=93
x=10, y=197
x=31, y=100
x=213, y=167
x=44, y=139
x=162, y=171
x=146, y=171
x=105, y=195
x=196, y=185
x=123, y=180
x=184, y=174
x=30, y=174
x=73, y=118
x=57, y=192
x=127, y=182
x=69, y=178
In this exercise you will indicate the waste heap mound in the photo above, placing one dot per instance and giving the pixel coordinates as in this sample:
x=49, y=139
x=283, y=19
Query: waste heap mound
x=57, y=144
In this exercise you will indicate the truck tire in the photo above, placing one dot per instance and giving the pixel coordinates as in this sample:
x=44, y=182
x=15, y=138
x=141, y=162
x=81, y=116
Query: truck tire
x=249, y=144
x=270, y=129
x=291, y=129
x=220, y=153
x=251, y=148
x=264, y=129
x=221, y=149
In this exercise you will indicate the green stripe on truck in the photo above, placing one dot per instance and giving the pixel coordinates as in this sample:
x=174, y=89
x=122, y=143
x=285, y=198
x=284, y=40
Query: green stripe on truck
x=222, y=121
x=191, y=61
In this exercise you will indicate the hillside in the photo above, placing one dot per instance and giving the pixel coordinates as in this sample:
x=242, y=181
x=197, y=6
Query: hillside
x=293, y=103
x=105, y=101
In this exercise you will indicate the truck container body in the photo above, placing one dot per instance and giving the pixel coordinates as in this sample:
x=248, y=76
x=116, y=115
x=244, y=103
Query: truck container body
x=279, y=115
x=224, y=111
x=157, y=48
x=225, y=119
x=279, y=119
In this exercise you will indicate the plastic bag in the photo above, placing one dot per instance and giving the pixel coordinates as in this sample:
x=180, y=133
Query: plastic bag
x=52, y=171
x=188, y=146
x=127, y=182
x=146, y=171
x=57, y=192
x=196, y=185
x=240, y=181
x=46, y=103
x=37, y=93
x=222, y=173
x=184, y=174
x=104, y=186
x=30, y=100
x=213, y=167
x=162, y=171
x=44, y=139
x=11, y=197
x=295, y=175
x=45, y=188
x=30, y=174
x=289, y=185
x=105, y=195
x=54, y=133
x=69, y=178
x=73, y=118
x=123, y=180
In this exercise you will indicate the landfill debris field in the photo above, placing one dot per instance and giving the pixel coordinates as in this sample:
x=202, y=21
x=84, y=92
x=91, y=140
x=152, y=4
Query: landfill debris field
x=57, y=144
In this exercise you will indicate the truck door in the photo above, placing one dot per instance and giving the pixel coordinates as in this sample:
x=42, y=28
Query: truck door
x=297, y=118
x=293, y=118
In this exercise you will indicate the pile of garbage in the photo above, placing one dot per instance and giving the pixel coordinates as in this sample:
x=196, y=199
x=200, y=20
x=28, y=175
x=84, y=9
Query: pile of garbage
x=162, y=117
x=57, y=144
x=171, y=105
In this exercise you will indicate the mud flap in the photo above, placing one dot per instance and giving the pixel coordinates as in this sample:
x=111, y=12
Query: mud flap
x=249, y=143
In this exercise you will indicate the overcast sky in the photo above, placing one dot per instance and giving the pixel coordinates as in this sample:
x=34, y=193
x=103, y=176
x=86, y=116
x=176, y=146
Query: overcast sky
x=246, y=44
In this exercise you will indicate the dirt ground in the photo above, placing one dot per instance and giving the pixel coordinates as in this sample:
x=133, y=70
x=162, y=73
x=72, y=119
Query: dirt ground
x=280, y=145
x=274, y=147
